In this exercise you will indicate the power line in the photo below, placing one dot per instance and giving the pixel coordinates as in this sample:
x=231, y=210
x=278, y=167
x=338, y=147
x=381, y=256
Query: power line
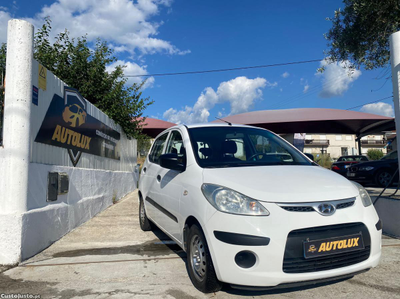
x=225, y=70
x=369, y=103
x=311, y=91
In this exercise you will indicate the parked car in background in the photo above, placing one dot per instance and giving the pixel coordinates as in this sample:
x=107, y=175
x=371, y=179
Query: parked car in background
x=251, y=210
x=344, y=162
x=377, y=172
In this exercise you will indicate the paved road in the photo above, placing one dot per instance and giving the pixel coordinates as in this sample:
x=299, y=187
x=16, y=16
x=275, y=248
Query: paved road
x=110, y=257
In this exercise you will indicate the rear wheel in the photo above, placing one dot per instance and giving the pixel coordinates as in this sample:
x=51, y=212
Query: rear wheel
x=382, y=178
x=199, y=263
x=145, y=223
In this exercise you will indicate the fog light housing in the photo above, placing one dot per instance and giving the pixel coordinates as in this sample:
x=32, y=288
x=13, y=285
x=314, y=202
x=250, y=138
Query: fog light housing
x=245, y=259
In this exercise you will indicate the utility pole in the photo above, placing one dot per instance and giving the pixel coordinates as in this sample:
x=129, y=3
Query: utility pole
x=394, y=40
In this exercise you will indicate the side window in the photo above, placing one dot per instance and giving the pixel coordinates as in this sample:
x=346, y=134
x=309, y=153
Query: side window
x=175, y=144
x=157, y=148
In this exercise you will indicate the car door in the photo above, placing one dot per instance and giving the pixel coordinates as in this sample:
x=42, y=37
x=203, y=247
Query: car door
x=149, y=184
x=170, y=187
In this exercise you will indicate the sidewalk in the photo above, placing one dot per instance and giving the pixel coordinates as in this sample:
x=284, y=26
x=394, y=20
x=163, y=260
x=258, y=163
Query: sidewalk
x=110, y=257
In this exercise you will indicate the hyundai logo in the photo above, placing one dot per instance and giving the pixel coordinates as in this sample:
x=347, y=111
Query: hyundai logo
x=326, y=209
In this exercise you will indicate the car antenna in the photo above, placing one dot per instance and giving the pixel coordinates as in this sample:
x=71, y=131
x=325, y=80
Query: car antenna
x=224, y=121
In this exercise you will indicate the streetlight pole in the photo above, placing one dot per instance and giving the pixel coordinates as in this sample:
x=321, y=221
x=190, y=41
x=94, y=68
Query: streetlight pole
x=394, y=40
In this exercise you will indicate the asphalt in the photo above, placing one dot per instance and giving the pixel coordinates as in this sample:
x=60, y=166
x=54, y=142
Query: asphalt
x=110, y=257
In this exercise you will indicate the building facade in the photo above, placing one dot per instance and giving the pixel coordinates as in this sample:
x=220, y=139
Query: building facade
x=337, y=145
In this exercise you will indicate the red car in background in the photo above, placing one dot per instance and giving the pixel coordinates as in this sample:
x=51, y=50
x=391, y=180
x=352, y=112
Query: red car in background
x=341, y=165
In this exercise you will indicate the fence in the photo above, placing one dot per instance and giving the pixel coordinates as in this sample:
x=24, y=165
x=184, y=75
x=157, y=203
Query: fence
x=62, y=160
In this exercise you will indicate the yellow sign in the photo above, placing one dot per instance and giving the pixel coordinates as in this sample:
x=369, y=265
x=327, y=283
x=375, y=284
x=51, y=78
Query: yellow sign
x=342, y=244
x=42, y=77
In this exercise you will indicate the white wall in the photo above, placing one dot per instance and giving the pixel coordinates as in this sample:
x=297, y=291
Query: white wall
x=29, y=223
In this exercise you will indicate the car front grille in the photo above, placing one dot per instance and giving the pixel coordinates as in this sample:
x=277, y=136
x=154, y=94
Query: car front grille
x=353, y=169
x=298, y=209
x=312, y=206
x=345, y=205
x=295, y=262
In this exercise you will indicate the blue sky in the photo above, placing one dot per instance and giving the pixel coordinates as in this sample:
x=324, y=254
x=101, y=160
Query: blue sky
x=158, y=36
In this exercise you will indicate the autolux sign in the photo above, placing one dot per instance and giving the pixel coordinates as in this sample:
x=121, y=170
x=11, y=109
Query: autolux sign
x=67, y=124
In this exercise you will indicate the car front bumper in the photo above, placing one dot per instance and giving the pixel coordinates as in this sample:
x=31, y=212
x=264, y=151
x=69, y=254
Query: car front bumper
x=268, y=269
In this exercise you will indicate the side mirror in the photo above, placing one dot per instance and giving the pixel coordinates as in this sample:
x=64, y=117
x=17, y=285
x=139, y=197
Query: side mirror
x=310, y=156
x=173, y=161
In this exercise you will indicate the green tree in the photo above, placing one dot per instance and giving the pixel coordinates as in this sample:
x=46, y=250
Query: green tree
x=143, y=145
x=374, y=154
x=83, y=68
x=360, y=32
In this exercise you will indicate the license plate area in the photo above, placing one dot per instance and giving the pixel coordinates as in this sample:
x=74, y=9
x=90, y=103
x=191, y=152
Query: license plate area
x=330, y=246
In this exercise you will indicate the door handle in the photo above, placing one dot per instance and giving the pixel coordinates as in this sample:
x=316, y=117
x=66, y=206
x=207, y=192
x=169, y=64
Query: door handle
x=144, y=170
x=159, y=178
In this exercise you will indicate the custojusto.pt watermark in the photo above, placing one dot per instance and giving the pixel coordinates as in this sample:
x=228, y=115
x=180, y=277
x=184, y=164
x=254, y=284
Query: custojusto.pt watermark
x=19, y=296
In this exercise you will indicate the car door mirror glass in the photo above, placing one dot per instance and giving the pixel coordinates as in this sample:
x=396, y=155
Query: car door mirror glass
x=173, y=161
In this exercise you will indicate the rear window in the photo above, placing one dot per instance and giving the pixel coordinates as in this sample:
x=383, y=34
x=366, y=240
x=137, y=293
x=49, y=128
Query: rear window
x=157, y=149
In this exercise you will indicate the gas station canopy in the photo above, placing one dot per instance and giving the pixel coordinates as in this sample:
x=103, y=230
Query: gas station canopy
x=315, y=120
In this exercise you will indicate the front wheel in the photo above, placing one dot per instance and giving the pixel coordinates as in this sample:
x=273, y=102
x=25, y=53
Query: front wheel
x=145, y=223
x=199, y=263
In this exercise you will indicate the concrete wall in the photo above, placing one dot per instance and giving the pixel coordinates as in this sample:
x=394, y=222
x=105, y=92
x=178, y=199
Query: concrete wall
x=28, y=222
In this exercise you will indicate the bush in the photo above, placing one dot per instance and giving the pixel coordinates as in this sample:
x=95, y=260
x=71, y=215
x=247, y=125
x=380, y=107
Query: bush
x=374, y=154
x=323, y=160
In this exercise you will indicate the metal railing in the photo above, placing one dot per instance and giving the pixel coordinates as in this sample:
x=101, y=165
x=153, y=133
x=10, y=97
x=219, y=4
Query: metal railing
x=316, y=142
x=373, y=142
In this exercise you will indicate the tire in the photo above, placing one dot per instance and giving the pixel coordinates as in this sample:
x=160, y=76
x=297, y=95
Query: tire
x=383, y=177
x=199, y=263
x=145, y=223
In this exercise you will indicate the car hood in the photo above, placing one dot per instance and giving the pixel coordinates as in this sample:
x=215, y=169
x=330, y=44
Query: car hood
x=283, y=183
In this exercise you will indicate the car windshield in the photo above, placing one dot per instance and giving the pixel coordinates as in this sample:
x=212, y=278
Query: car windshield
x=390, y=156
x=241, y=146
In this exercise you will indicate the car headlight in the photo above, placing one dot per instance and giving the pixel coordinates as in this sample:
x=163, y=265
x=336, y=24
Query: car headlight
x=365, y=168
x=229, y=201
x=366, y=200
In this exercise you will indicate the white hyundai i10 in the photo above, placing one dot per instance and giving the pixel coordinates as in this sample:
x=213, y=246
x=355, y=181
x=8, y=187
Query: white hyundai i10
x=251, y=210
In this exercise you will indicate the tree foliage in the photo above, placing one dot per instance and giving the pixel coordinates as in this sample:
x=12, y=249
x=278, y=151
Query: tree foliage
x=83, y=68
x=374, y=154
x=360, y=32
x=143, y=145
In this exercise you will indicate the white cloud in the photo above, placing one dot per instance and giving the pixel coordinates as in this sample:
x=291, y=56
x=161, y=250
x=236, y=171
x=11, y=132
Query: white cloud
x=379, y=108
x=336, y=78
x=124, y=23
x=132, y=69
x=4, y=18
x=285, y=75
x=306, y=87
x=240, y=93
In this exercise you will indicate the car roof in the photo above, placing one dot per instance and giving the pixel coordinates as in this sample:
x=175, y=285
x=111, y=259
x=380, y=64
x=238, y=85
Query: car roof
x=207, y=125
x=217, y=125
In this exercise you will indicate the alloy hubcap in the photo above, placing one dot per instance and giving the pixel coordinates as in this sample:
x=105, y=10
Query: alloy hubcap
x=198, y=257
x=384, y=178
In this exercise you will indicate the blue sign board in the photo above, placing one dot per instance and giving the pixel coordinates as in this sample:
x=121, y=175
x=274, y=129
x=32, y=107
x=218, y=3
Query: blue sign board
x=35, y=95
